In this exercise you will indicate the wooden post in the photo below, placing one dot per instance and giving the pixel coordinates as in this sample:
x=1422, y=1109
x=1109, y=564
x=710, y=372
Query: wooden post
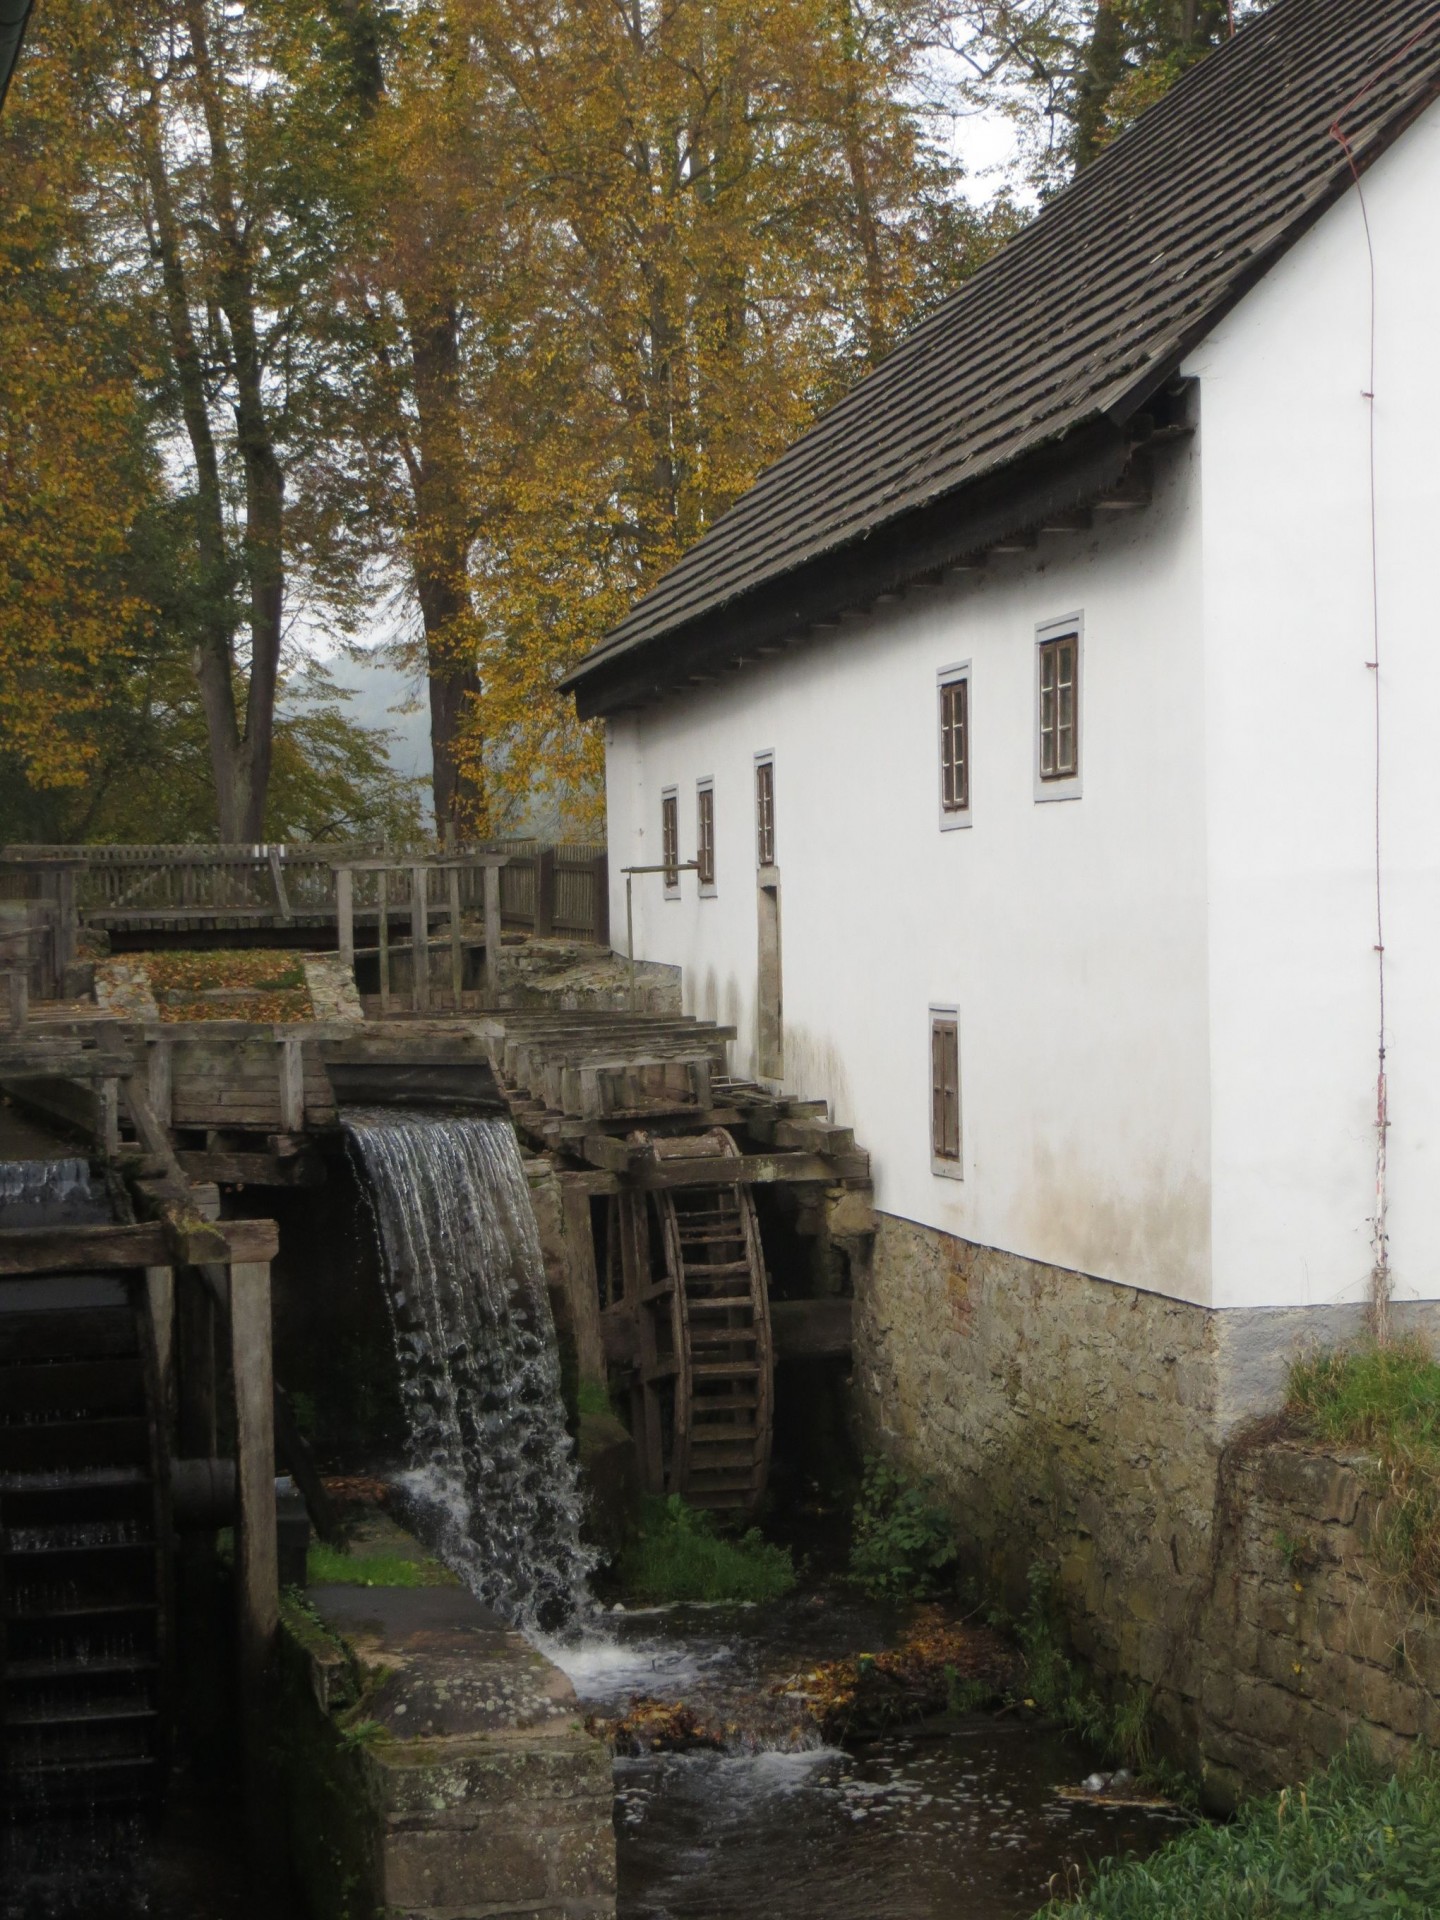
x=159, y=1080
x=492, y=934
x=256, y=1552
x=160, y=1286
x=382, y=896
x=345, y=913
x=457, y=950
x=419, y=942
x=602, y=900
x=292, y=1086
x=194, y=1362
x=67, y=925
x=544, y=893
x=107, y=1118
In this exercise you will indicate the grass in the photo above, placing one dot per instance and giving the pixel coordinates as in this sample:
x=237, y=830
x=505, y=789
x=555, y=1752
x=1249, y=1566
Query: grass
x=332, y=1567
x=1357, y=1842
x=1387, y=1400
x=681, y=1554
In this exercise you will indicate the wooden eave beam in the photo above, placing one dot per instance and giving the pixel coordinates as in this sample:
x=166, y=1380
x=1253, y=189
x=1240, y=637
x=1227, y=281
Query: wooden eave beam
x=34, y=1250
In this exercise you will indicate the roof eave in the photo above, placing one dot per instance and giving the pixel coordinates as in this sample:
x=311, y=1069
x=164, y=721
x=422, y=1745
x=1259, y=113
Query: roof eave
x=957, y=529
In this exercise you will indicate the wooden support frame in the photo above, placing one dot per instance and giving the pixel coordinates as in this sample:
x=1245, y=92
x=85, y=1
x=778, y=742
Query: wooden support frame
x=492, y=934
x=419, y=941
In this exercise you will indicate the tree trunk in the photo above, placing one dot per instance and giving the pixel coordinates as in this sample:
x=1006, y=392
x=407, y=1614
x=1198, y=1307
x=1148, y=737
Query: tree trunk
x=441, y=556
x=1103, y=70
x=264, y=543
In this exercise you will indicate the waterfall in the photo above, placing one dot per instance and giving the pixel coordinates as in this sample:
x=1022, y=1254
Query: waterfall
x=490, y=1470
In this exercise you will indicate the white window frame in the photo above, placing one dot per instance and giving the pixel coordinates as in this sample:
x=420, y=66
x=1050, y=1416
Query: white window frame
x=765, y=758
x=707, y=887
x=1065, y=786
x=670, y=796
x=943, y=1167
x=953, y=817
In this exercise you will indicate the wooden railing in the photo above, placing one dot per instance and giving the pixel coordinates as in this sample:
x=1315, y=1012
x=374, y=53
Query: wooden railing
x=547, y=888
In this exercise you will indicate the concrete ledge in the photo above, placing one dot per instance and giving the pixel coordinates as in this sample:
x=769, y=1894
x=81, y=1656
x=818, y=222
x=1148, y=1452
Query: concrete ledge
x=435, y=1765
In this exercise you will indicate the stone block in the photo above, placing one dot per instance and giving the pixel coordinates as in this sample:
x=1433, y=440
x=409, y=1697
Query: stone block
x=1313, y=1485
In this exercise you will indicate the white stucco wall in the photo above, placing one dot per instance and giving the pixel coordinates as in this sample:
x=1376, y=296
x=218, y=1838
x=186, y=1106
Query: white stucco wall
x=1291, y=749
x=1071, y=935
x=1167, y=988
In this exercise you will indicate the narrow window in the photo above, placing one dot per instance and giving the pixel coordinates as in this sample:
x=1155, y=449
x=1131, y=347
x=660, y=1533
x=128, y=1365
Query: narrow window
x=945, y=1091
x=1058, y=687
x=765, y=812
x=705, y=836
x=955, y=747
x=670, y=840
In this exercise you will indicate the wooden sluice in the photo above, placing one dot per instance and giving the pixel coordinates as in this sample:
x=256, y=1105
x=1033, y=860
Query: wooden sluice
x=657, y=1150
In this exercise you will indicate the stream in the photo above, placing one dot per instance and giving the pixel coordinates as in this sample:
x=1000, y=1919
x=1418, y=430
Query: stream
x=959, y=1818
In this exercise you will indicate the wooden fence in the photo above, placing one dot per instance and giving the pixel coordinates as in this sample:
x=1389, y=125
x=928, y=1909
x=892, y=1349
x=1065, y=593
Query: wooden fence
x=547, y=888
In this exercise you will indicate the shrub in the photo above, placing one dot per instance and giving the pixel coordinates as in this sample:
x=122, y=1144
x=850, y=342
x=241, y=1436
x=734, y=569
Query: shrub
x=1357, y=1841
x=903, y=1541
x=681, y=1554
x=1385, y=1399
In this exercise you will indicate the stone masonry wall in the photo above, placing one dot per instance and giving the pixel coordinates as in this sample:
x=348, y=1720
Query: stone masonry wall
x=1101, y=1432
x=1066, y=1422
x=1303, y=1643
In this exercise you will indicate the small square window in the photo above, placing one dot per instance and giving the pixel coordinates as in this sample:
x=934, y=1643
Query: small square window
x=765, y=811
x=670, y=841
x=1057, y=711
x=945, y=1092
x=705, y=837
x=955, y=747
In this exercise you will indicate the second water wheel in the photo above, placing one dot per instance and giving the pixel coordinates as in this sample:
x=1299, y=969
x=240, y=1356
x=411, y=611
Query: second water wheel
x=706, y=1388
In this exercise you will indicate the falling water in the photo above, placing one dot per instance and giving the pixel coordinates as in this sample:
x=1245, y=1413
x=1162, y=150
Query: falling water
x=491, y=1474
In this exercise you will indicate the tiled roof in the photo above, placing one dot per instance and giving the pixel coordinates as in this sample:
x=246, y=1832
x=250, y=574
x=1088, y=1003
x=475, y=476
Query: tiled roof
x=1082, y=317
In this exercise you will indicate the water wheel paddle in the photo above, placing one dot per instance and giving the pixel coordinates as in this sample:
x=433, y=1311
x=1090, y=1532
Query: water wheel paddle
x=706, y=1355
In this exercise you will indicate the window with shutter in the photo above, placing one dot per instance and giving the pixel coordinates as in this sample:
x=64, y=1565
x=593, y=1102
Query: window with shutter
x=765, y=812
x=955, y=747
x=1057, y=693
x=945, y=1091
x=705, y=836
x=670, y=840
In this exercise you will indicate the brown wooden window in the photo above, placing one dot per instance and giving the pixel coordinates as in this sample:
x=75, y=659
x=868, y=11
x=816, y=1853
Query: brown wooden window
x=955, y=745
x=765, y=813
x=670, y=840
x=705, y=836
x=945, y=1091
x=1059, y=688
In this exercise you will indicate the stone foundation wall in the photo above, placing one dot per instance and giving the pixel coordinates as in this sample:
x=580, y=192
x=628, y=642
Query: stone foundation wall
x=1098, y=1431
x=1303, y=1642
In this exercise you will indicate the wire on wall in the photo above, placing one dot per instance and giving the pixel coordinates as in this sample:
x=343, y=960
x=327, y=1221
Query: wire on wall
x=1381, y=1277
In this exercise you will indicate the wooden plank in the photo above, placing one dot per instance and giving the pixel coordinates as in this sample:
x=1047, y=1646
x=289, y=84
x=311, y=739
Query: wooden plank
x=758, y=1169
x=419, y=942
x=247, y=1169
x=256, y=1548
x=292, y=1086
x=492, y=933
x=345, y=914
x=27, y=1250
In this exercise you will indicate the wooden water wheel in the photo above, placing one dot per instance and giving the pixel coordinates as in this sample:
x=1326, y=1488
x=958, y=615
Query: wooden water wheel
x=704, y=1395
x=84, y=1537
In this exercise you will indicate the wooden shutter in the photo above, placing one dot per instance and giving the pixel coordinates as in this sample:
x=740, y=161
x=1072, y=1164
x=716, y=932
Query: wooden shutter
x=945, y=1087
x=670, y=838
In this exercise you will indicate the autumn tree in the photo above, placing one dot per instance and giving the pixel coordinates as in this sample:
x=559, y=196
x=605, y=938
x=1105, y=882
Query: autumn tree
x=1074, y=73
x=730, y=208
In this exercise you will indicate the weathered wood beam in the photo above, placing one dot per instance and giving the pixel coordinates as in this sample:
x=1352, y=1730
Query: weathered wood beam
x=243, y=1169
x=27, y=1250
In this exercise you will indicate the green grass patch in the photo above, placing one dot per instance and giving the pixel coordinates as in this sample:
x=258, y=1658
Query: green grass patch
x=1386, y=1400
x=680, y=1553
x=903, y=1544
x=332, y=1567
x=1357, y=1842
